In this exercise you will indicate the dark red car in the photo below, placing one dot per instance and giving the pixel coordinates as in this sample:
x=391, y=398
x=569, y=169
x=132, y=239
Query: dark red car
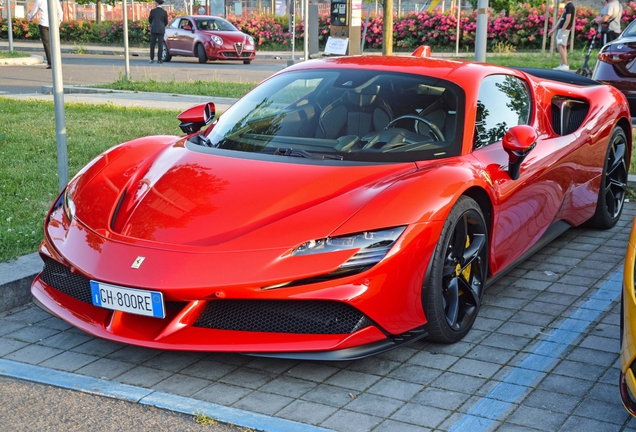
x=616, y=65
x=207, y=38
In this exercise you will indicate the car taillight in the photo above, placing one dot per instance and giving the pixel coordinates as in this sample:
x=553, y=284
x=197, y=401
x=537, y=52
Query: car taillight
x=610, y=58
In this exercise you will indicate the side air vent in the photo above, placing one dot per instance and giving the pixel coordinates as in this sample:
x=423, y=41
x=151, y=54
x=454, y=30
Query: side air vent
x=568, y=114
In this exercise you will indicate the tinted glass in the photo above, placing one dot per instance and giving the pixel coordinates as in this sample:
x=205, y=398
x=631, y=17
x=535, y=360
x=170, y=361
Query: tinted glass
x=214, y=24
x=503, y=102
x=358, y=115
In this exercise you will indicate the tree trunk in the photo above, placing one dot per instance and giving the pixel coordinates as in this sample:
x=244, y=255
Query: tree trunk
x=98, y=12
x=387, y=30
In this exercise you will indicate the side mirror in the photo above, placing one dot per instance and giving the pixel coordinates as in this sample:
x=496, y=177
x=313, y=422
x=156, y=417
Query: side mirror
x=193, y=119
x=518, y=142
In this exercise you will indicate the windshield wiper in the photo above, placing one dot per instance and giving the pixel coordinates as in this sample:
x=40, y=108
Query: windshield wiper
x=305, y=154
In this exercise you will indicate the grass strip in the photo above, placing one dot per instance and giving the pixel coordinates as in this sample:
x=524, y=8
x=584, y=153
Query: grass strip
x=28, y=157
x=13, y=54
x=192, y=87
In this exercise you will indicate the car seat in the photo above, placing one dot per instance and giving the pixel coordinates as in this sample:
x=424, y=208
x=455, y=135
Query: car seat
x=358, y=112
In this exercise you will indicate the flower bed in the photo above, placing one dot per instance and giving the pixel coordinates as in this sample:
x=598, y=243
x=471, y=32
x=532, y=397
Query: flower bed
x=522, y=29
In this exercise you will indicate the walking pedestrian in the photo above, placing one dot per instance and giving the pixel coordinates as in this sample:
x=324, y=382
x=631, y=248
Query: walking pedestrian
x=158, y=20
x=41, y=7
x=565, y=24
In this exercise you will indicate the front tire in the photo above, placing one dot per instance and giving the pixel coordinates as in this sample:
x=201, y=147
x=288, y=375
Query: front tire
x=247, y=61
x=458, y=272
x=165, y=54
x=613, y=189
x=203, y=58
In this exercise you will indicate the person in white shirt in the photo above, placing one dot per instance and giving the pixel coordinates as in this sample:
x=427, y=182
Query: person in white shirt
x=41, y=7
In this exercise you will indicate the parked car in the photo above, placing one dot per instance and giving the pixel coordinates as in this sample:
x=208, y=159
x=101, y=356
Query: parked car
x=344, y=207
x=627, y=380
x=616, y=64
x=207, y=38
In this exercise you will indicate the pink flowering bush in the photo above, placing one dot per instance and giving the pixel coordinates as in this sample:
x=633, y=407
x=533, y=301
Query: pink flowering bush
x=522, y=28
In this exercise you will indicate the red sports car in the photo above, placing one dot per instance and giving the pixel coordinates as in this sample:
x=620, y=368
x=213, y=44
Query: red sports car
x=342, y=208
x=207, y=38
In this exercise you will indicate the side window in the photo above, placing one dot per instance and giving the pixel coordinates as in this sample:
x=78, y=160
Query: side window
x=503, y=102
x=174, y=24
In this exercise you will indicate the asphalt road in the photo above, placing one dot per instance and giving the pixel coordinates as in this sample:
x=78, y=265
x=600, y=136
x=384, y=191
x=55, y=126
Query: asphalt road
x=27, y=406
x=79, y=69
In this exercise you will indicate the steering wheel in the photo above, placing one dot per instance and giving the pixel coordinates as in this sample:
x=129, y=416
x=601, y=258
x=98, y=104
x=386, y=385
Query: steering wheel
x=434, y=131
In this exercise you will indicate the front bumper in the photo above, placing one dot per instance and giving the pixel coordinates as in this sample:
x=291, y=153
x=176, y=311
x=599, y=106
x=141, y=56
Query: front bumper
x=349, y=317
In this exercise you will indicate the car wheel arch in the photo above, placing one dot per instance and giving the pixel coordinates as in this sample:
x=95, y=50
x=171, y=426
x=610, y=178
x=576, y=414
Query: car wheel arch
x=484, y=201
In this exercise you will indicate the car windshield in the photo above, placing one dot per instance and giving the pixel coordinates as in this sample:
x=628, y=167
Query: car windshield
x=214, y=24
x=355, y=115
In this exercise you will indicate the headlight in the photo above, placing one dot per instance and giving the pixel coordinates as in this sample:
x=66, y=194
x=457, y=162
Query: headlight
x=372, y=245
x=217, y=40
x=250, y=40
x=69, y=205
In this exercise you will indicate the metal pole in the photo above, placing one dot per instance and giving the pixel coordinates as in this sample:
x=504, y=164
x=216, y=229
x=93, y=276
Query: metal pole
x=366, y=26
x=10, y=29
x=481, y=34
x=459, y=9
x=126, y=51
x=58, y=94
x=306, y=33
x=293, y=41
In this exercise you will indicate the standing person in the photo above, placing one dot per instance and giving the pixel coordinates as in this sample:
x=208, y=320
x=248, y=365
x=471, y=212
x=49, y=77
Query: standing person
x=563, y=28
x=41, y=7
x=158, y=20
x=611, y=14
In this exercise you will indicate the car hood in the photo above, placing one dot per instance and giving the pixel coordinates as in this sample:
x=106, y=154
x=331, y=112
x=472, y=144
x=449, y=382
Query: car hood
x=227, y=36
x=183, y=197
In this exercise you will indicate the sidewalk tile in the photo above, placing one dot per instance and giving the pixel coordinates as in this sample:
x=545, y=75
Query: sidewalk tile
x=440, y=398
x=537, y=418
x=306, y=412
x=249, y=378
x=209, y=370
x=181, y=385
x=329, y=395
x=143, y=376
x=10, y=345
x=352, y=380
x=374, y=405
x=105, y=368
x=264, y=403
x=415, y=374
x=347, y=421
x=65, y=340
x=421, y=415
x=223, y=394
x=288, y=386
x=394, y=426
x=395, y=389
x=69, y=361
x=33, y=354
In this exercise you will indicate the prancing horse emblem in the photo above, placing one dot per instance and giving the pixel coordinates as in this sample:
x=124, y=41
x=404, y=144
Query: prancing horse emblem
x=137, y=263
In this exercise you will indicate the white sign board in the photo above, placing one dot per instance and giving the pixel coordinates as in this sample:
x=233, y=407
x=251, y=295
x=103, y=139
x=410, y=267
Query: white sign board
x=336, y=46
x=356, y=13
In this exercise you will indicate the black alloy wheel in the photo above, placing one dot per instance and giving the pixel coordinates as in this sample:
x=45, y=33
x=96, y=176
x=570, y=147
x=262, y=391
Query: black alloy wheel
x=613, y=189
x=458, y=274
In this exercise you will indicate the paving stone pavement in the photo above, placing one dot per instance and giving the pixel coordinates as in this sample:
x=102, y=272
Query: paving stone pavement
x=420, y=387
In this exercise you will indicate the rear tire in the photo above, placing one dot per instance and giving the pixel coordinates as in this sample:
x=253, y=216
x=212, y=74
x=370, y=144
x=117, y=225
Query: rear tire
x=203, y=58
x=458, y=272
x=613, y=189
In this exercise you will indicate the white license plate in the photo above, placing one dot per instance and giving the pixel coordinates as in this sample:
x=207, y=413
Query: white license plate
x=140, y=302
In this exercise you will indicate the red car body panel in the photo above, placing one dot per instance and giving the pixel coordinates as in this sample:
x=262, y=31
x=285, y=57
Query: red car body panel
x=220, y=227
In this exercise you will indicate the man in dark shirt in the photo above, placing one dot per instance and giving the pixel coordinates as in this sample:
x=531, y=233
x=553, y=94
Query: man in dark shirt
x=565, y=24
x=158, y=20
